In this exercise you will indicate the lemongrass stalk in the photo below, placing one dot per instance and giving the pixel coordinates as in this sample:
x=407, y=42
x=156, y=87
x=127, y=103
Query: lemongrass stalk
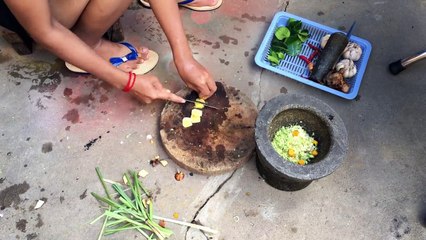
x=199, y=227
x=118, y=189
x=117, y=216
x=98, y=171
x=112, y=223
x=106, y=200
x=97, y=219
x=110, y=181
x=115, y=230
x=156, y=231
x=144, y=234
x=101, y=233
x=135, y=175
x=165, y=231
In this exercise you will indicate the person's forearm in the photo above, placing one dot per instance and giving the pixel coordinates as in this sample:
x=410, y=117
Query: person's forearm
x=167, y=14
x=67, y=46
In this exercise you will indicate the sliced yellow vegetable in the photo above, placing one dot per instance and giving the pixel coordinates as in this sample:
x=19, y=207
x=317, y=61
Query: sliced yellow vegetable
x=196, y=113
x=199, y=104
x=291, y=152
x=186, y=122
x=195, y=119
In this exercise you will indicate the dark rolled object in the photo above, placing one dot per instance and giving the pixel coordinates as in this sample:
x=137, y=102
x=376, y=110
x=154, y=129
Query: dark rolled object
x=329, y=56
x=396, y=67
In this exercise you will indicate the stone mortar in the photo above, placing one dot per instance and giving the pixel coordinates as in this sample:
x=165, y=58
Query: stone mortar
x=315, y=117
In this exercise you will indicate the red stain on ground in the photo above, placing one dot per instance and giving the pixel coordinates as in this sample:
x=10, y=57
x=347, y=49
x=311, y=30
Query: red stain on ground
x=201, y=17
x=72, y=116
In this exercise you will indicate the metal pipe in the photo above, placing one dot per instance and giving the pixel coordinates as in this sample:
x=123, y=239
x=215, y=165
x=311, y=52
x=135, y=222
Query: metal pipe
x=409, y=60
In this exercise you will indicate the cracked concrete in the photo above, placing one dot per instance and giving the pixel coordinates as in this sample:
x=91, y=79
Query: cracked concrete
x=56, y=127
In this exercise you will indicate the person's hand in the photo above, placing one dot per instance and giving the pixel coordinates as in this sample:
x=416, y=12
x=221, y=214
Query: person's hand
x=148, y=88
x=196, y=77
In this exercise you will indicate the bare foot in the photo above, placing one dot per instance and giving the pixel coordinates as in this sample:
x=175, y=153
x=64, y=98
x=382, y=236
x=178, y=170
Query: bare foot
x=107, y=50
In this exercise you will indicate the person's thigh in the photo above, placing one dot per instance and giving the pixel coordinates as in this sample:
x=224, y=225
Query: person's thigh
x=67, y=12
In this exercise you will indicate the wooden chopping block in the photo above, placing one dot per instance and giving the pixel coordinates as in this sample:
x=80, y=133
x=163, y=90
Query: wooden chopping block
x=224, y=139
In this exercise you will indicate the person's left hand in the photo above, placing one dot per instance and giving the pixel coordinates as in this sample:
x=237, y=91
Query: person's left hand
x=196, y=77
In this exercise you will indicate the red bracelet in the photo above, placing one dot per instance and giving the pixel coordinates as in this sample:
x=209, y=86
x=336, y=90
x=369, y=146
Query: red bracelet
x=130, y=82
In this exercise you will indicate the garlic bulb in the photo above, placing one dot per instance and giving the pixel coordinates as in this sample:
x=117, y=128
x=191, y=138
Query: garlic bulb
x=324, y=40
x=347, y=67
x=352, y=51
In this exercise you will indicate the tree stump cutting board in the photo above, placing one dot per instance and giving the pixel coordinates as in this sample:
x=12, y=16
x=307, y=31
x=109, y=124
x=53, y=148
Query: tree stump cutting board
x=223, y=140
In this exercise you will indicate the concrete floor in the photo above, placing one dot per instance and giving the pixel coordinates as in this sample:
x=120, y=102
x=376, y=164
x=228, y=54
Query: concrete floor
x=48, y=115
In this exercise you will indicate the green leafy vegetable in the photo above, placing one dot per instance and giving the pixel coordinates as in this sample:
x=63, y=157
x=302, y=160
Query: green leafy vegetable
x=282, y=32
x=287, y=40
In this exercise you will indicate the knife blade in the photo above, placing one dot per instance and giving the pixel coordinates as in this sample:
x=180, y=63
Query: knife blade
x=205, y=104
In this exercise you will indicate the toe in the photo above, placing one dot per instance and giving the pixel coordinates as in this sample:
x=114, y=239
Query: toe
x=143, y=53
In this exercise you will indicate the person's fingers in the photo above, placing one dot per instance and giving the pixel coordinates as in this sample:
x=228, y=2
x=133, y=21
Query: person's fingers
x=166, y=94
x=212, y=86
x=203, y=91
x=175, y=98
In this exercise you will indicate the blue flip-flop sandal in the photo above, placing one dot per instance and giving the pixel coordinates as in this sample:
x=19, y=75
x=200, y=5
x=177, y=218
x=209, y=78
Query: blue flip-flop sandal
x=146, y=66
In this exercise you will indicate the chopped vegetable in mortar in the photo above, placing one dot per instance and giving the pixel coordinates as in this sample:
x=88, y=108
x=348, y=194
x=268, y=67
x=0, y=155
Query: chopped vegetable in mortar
x=294, y=144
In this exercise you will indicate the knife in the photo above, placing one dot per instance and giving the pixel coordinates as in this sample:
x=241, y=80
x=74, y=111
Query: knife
x=205, y=104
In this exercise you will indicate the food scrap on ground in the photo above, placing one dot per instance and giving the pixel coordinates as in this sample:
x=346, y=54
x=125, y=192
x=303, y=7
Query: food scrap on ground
x=294, y=144
x=39, y=204
x=143, y=173
x=162, y=223
x=164, y=162
x=155, y=161
x=179, y=176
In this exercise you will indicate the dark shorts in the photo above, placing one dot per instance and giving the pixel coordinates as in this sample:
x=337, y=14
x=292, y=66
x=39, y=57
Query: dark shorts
x=9, y=21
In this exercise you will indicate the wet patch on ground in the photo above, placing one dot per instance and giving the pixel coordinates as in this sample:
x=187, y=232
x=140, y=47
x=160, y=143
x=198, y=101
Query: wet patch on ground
x=31, y=236
x=10, y=195
x=21, y=225
x=40, y=222
x=400, y=227
x=228, y=40
x=72, y=116
x=253, y=18
x=92, y=142
x=47, y=147
x=83, y=195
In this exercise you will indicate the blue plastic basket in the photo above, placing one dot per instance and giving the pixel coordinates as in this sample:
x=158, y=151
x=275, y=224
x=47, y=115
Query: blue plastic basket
x=293, y=67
